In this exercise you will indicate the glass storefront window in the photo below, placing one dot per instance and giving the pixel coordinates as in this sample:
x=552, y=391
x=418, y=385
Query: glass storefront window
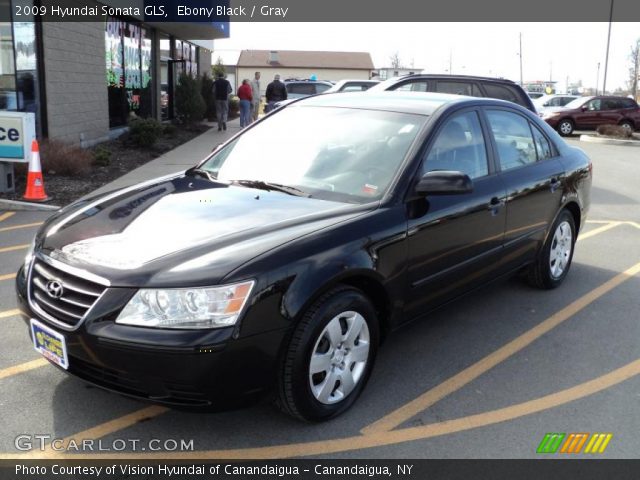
x=129, y=71
x=8, y=94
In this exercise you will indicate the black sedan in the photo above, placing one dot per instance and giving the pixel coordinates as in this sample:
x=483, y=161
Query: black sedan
x=281, y=261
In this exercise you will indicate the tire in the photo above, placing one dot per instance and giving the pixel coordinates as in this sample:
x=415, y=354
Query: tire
x=565, y=127
x=627, y=124
x=340, y=331
x=554, y=260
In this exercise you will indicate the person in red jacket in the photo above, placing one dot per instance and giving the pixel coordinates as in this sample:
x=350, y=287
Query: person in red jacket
x=245, y=95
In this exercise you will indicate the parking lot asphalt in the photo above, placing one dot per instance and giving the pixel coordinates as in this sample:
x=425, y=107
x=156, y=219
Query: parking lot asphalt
x=486, y=377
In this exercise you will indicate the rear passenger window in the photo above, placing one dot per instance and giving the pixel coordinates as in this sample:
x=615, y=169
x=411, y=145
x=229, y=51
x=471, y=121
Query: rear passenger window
x=513, y=139
x=321, y=87
x=457, y=88
x=543, y=147
x=501, y=93
x=459, y=146
x=301, y=88
x=418, y=86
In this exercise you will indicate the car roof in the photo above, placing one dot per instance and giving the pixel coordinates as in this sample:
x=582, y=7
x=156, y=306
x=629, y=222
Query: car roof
x=461, y=77
x=422, y=103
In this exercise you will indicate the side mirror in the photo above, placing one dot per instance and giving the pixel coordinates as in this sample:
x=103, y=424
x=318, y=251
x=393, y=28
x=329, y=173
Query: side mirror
x=444, y=182
x=584, y=108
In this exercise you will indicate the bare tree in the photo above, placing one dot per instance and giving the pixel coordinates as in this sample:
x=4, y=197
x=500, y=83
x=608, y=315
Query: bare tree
x=395, y=60
x=634, y=68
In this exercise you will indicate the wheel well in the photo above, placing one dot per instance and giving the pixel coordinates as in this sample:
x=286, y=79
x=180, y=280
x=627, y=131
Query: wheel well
x=574, y=209
x=627, y=120
x=378, y=296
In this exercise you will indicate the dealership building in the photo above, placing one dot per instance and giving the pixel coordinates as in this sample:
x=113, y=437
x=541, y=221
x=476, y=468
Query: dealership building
x=83, y=80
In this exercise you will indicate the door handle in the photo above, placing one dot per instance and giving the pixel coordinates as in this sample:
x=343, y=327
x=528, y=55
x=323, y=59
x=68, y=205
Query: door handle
x=494, y=205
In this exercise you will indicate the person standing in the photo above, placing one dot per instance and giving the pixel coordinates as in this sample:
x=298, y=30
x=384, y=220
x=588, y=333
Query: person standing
x=221, y=90
x=255, y=92
x=245, y=95
x=276, y=92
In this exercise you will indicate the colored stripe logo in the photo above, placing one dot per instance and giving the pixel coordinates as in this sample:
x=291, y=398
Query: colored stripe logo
x=574, y=442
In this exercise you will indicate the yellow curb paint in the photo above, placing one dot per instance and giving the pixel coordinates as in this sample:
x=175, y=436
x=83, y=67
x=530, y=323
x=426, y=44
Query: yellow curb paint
x=23, y=367
x=14, y=247
x=427, y=399
x=377, y=439
x=10, y=313
x=18, y=227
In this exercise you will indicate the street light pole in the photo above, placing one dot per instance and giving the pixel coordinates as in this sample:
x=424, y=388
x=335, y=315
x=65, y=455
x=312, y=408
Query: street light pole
x=606, y=59
x=597, y=78
x=521, y=81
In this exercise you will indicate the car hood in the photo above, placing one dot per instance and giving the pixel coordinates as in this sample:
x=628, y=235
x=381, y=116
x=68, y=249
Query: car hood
x=183, y=229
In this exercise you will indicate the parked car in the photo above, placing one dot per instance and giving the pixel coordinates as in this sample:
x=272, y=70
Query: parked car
x=281, y=261
x=352, y=86
x=297, y=88
x=587, y=113
x=549, y=103
x=459, y=85
x=535, y=95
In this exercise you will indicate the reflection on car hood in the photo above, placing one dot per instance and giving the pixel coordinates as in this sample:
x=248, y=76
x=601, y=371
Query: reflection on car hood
x=176, y=221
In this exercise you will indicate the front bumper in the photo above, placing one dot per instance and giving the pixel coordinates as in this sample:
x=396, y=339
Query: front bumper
x=214, y=368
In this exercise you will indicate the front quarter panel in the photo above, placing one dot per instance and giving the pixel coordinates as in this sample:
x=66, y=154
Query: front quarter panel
x=371, y=247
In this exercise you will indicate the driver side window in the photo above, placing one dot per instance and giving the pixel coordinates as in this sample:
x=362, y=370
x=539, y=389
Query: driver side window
x=459, y=146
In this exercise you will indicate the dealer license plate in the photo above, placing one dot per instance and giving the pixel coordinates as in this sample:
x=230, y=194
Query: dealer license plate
x=49, y=343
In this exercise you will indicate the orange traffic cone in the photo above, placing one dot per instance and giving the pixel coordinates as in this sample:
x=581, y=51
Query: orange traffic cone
x=35, y=183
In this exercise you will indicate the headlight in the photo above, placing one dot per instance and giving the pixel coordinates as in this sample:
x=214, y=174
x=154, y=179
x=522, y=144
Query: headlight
x=211, y=307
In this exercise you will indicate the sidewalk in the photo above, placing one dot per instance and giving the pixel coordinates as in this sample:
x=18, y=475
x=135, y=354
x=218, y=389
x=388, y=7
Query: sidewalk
x=179, y=159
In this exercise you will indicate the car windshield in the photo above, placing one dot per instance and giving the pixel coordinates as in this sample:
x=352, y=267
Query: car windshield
x=340, y=154
x=578, y=102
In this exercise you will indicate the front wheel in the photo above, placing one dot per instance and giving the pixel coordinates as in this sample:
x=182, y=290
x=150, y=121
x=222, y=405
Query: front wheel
x=554, y=260
x=565, y=127
x=330, y=356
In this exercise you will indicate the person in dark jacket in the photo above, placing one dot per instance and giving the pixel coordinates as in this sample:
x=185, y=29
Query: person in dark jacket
x=221, y=90
x=276, y=92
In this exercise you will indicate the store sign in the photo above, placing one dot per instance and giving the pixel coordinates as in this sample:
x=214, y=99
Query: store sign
x=17, y=131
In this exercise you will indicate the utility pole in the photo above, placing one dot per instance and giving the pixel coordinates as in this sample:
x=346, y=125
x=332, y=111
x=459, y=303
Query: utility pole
x=450, y=62
x=597, y=78
x=606, y=59
x=521, y=80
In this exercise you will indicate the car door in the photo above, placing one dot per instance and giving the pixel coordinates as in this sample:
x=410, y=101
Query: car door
x=611, y=112
x=590, y=115
x=454, y=241
x=533, y=177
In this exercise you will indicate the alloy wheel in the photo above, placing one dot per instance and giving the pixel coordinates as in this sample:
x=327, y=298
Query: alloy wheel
x=560, y=252
x=339, y=357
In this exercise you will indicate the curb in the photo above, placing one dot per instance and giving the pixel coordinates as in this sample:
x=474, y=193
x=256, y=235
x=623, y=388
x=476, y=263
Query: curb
x=17, y=205
x=609, y=141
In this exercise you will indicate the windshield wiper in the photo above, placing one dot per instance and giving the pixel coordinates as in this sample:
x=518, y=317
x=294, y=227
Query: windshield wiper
x=262, y=185
x=201, y=172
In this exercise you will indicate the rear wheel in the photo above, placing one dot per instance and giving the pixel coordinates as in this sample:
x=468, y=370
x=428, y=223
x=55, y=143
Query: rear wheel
x=554, y=260
x=627, y=125
x=565, y=127
x=330, y=356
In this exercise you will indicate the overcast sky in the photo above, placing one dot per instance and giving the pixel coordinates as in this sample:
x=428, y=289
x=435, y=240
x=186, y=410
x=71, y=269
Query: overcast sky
x=557, y=50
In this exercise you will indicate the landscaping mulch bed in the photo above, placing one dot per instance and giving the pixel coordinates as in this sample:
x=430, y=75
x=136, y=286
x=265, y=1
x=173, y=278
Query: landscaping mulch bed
x=124, y=157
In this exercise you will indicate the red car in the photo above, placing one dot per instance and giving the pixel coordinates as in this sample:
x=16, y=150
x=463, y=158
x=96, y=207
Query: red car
x=587, y=113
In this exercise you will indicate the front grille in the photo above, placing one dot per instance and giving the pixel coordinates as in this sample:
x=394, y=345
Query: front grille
x=78, y=294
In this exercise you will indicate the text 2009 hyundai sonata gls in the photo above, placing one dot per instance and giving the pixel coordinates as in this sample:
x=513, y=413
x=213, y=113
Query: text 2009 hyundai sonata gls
x=281, y=261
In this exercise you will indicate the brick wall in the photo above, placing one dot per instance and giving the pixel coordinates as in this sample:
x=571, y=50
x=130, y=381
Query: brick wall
x=76, y=89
